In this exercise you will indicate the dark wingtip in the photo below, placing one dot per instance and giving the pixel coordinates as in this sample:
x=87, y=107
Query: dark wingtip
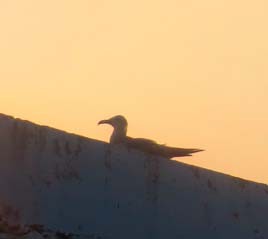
x=198, y=150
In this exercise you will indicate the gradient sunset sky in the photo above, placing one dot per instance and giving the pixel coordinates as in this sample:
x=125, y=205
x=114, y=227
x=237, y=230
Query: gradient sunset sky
x=184, y=73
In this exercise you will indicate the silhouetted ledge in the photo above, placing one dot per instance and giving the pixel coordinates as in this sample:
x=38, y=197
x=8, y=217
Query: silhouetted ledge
x=56, y=184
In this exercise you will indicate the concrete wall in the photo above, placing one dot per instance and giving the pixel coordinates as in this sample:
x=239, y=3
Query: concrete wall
x=83, y=186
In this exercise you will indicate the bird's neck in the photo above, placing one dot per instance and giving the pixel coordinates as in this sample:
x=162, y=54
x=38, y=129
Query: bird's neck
x=118, y=135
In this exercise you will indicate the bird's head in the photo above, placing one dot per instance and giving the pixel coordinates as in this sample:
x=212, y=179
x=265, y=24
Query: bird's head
x=118, y=122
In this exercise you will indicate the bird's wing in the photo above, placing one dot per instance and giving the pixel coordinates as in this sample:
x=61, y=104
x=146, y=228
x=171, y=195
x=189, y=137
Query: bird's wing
x=145, y=145
x=151, y=147
x=171, y=152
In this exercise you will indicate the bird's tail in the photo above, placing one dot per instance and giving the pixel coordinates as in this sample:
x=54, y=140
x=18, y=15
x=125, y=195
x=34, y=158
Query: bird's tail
x=180, y=152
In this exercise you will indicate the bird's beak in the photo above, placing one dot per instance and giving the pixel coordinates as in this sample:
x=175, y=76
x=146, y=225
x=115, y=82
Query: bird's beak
x=104, y=122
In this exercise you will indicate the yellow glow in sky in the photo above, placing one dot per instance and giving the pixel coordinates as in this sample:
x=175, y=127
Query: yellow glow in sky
x=185, y=73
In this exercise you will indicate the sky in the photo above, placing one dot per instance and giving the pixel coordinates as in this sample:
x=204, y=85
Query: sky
x=184, y=73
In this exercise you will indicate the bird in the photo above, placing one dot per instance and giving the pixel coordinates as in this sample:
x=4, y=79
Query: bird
x=119, y=136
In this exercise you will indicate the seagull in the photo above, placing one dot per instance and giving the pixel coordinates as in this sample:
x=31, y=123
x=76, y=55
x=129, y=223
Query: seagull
x=119, y=136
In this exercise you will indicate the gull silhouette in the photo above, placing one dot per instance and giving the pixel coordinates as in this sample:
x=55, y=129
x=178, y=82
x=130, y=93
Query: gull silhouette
x=119, y=136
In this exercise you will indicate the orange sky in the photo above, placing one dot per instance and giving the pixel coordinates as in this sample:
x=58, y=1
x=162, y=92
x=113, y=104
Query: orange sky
x=185, y=73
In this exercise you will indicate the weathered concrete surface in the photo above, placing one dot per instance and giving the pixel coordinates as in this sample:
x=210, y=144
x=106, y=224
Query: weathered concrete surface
x=70, y=184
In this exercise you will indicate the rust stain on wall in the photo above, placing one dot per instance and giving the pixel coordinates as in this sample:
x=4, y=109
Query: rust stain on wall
x=152, y=176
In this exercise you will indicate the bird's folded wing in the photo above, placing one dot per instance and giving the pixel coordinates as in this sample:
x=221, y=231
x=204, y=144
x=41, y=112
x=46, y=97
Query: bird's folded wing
x=145, y=145
x=151, y=147
x=178, y=152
